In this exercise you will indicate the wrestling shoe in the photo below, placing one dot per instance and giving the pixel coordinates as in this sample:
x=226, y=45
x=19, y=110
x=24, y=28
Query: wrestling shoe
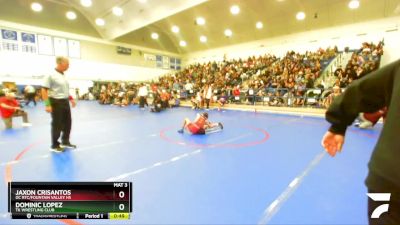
x=366, y=125
x=57, y=149
x=26, y=124
x=69, y=145
x=220, y=125
x=180, y=131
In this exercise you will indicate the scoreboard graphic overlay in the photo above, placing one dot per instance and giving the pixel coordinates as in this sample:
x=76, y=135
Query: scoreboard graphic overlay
x=70, y=200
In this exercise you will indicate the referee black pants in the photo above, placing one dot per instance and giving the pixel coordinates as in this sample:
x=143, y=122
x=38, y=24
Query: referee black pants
x=61, y=121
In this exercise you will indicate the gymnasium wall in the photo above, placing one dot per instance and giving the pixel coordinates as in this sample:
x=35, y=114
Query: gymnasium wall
x=98, y=60
x=342, y=36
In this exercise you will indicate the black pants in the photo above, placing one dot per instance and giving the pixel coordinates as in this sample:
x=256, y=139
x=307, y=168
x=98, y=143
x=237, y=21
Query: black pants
x=142, y=101
x=61, y=121
x=208, y=102
x=387, y=218
x=30, y=97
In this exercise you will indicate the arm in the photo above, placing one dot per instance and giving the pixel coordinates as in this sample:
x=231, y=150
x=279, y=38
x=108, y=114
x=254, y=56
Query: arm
x=72, y=100
x=368, y=94
x=5, y=106
x=45, y=93
x=46, y=100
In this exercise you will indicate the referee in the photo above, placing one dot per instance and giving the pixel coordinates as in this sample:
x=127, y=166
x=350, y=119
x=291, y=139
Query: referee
x=369, y=94
x=55, y=94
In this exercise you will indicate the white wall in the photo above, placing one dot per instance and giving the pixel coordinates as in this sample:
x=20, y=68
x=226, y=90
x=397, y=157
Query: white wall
x=341, y=36
x=27, y=68
x=99, y=60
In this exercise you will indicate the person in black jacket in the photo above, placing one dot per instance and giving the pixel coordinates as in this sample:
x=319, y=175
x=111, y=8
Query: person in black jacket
x=378, y=89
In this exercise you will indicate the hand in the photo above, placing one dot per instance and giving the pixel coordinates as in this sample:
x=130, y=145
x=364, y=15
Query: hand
x=332, y=143
x=17, y=108
x=73, y=103
x=49, y=109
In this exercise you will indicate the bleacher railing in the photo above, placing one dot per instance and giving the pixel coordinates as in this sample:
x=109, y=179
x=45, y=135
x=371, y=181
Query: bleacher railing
x=308, y=97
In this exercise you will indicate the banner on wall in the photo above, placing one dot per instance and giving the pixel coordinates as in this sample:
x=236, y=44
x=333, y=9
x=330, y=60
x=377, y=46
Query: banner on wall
x=149, y=57
x=159, y=62
x=165, y=60
x=9, y=40
x=28, y=42
x=28, y=38
x=45, y=45
x=74, y=49
x=60, y=47
x=9, y=35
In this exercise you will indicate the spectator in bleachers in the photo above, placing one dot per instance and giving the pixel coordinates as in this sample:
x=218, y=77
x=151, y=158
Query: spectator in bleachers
x=236, y=93
x=336, y=92
x=276, y=100
x=299, y=94
x=174, y=101
x=165, y=96
x=222, y=100
x=157, y=104
x=266, y=72
x=195, y=103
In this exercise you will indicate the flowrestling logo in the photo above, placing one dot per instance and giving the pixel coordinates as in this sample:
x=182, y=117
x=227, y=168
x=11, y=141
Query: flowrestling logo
x=380, y=197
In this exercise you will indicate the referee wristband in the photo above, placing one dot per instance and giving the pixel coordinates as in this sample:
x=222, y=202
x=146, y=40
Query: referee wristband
x=47, y=102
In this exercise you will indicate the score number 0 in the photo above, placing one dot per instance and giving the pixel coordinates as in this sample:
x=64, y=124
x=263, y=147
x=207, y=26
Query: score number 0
x=121, y=206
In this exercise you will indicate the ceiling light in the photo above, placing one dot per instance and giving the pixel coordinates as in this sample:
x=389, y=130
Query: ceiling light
x=117, y=11
x=300, y=16
x=259, y=25
x=36, y=7
x=86, y=3
x=228, y=33
x=203, y=38
x=235, y=9
x=71, y=15
x=154, y=35
x=100, y=22
x=182, y=43
x=175, y=29
x=200, y=21
x=354, y=4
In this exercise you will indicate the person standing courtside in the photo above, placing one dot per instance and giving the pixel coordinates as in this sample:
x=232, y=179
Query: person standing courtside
x=369, y=94
x=55, y=94
x=30, y=94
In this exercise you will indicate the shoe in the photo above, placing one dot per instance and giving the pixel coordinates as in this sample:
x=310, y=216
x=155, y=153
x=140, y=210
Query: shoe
x=57, y=149
x=180, y=131
x=26, y=124
x=69, y=145
x=366, y=125
x=220, y=125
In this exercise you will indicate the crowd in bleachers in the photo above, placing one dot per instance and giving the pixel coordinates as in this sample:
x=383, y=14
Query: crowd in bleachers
x=362, y=62
x=267, y=79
